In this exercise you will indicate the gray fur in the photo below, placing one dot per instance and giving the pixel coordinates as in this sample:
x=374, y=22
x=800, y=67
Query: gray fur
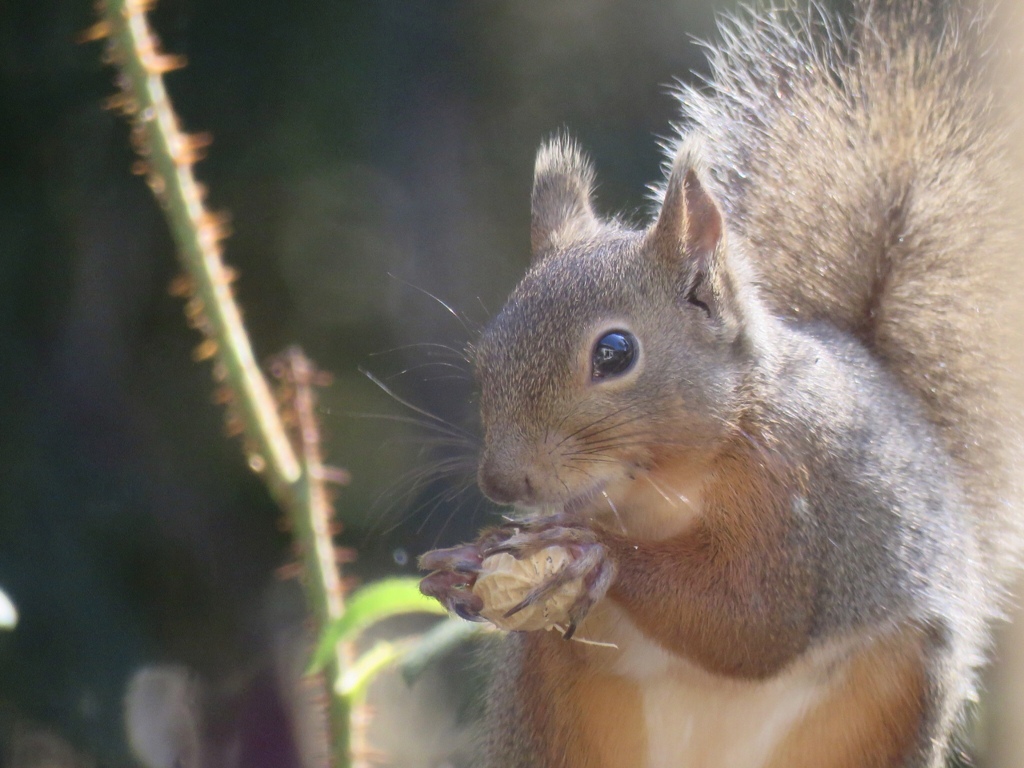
x=869, y=172
x=863, y=277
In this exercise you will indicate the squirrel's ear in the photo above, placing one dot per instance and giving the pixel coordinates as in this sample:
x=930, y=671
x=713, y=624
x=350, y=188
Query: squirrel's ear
x=560, y=208
x=690, y=233
x=690, y=224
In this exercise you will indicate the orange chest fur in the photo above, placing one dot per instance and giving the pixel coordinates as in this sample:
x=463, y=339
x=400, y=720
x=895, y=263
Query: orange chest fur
x=853, y=705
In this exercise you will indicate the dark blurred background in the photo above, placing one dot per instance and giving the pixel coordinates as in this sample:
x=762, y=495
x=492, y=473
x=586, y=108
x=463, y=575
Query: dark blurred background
x=370, y=154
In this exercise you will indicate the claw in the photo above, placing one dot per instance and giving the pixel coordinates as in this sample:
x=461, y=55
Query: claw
x=454, y=591
x=462, y=559
x=467, y=613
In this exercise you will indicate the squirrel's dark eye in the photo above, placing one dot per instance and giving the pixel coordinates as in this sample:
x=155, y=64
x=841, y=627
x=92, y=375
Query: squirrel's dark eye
x=614, y=353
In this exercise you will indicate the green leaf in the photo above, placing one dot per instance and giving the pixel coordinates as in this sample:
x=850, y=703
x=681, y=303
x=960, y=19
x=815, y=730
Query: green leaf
x=353, y=682
x=369, y=605
x=412, y=655
x=436, y=642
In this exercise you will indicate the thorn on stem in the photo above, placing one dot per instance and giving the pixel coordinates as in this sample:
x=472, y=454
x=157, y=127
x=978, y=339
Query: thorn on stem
x=123, y=103
x=139, y=139
x=110, y=56
x=190, y=148
x=215, y=226
x=182, y=286
x=233, y=426
x=289, y=571
x=335, y=475
x=160, y=63
x=97, y=31
x=194, y=311
x=345, y=555
x=157, y=185
x=139, y=6
x=206, y=349
x=223, y=396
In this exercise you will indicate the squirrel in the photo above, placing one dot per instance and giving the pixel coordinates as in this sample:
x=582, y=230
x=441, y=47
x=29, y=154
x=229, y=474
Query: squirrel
x=771, y=433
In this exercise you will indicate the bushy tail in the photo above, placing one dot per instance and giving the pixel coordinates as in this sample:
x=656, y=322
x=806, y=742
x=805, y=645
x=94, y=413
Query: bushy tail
x=868, y=168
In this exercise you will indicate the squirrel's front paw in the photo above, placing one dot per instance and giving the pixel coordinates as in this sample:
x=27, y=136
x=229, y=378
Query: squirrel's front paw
x=538, y=575
x=453, y=573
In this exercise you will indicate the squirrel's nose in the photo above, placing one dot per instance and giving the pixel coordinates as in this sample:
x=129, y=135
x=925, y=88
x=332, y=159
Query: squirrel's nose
x=504, y=485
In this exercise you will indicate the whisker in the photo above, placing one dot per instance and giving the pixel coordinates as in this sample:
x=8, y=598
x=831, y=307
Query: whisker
x=436, y=502
x=592, y=459
x=414, y=481
x=581, y=471
x=615, y=510
x=659, y=489
x=452, y=377
x=612, y=440
x=565, y=417
x=447, y=497
x=417, y=478
x=409, y=405
x=429, y=364
x=425, y=292
x=679, y=497
x=609, y=427
x=426, y=444
x=611, y=443
x=631, y=443
x=440, y=426
x=432, y=346
x=595, y=423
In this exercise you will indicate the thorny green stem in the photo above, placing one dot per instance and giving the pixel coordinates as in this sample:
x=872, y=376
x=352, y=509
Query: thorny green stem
x=313, y=529
x=296, y=482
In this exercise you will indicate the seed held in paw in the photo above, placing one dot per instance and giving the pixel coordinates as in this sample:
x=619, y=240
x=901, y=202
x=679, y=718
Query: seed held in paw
x=504, y=582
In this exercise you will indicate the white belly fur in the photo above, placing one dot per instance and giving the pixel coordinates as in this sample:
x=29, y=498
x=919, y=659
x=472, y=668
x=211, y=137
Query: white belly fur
x=698, y=720
x=695, y=719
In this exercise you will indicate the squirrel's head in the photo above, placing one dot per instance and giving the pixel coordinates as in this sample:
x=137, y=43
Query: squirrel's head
x=620, y=349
